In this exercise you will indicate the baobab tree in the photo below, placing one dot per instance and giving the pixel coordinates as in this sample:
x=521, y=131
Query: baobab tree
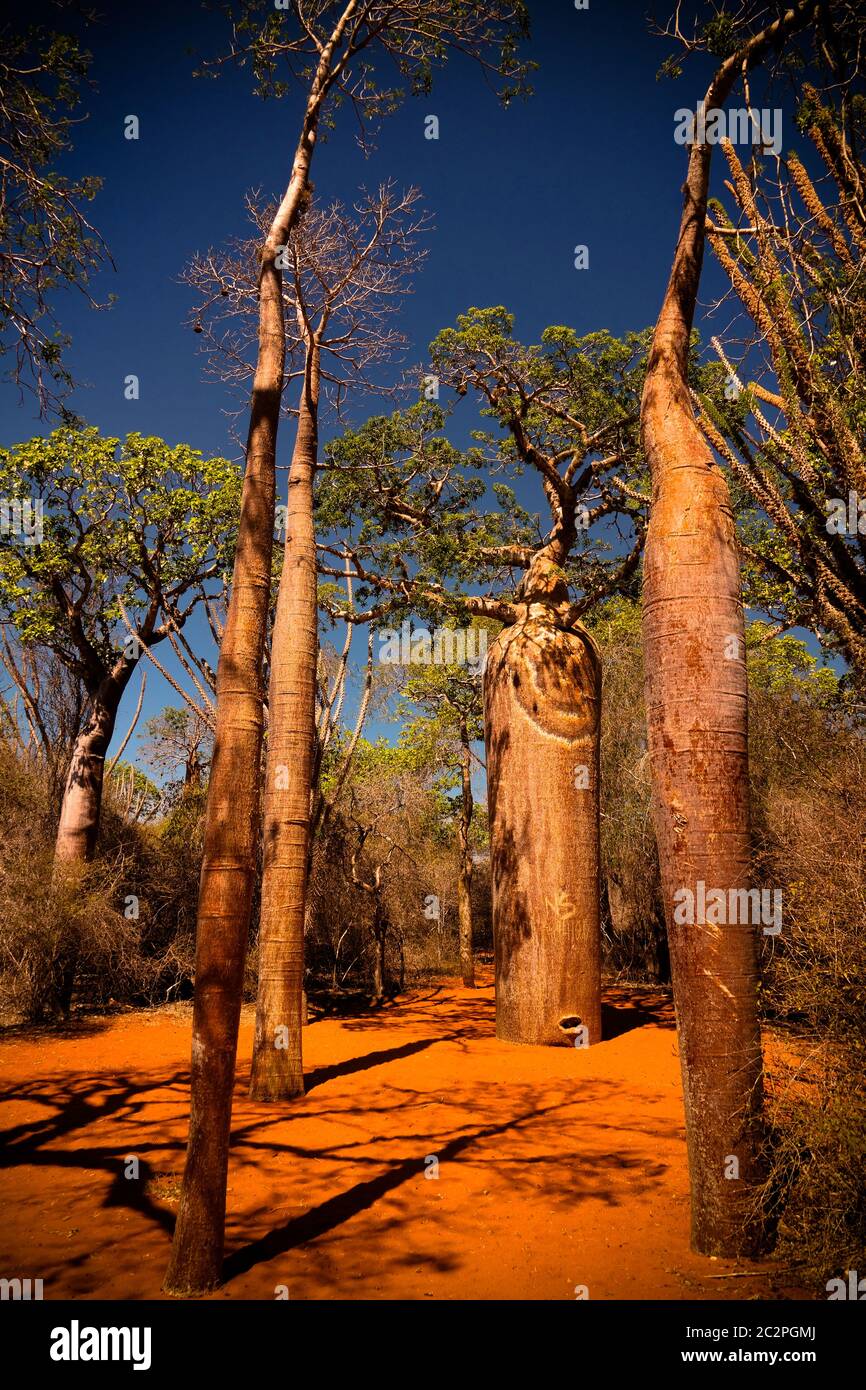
x=132, y=536
x=567, y=410
x=347, y=271
x=696, y=698
x=335, y=50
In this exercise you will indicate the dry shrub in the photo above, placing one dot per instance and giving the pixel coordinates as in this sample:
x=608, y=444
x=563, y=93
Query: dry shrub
x=420, y=946
x=123, y=934
x=809, y=786
x=634, y=940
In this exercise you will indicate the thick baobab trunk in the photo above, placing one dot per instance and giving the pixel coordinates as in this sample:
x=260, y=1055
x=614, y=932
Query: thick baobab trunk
x=277, y=1069
x=696, y=700
x=464, y=882
x=542, y=697
x=82, y=796
x=232, y=814
x=78, y=829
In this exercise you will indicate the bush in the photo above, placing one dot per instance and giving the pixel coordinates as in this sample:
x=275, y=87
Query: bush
x=809, y=806
x=125, y=933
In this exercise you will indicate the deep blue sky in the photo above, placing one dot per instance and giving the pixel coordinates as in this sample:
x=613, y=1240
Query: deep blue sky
x=590, y=159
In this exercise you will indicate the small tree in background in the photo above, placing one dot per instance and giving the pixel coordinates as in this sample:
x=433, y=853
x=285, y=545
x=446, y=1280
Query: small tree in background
x=123, y=541
x=450, y=723
x=178, y=738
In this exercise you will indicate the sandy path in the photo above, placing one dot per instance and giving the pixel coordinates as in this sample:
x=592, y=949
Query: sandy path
x=557, y=1167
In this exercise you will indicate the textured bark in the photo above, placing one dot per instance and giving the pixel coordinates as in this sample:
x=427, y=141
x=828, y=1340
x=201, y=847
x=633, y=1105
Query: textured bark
x=80, y=810
x=542, y=696
x=232, y=814
x=696, y=701
x=464, y=882
x=380, y=931
x=277, y=1068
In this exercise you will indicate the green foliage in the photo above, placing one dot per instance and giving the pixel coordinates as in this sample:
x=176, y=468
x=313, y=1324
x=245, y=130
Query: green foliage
x=783, y=665
x=431, y=524
x=442, y=717
x=48, y=243
x=140, y=521
x=391, y=473
x=720, y=36
x=399, y=36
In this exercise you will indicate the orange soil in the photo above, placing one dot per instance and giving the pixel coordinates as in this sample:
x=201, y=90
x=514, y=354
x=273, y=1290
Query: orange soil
x=557, y=1167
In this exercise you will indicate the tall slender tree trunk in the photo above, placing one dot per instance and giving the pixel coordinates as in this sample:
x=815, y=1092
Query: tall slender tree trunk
x=542, y=699
x=696, y=700
x=464, y=882
x=232, y=814
x=277, y=1068
x=379, y=933
x=81, y=807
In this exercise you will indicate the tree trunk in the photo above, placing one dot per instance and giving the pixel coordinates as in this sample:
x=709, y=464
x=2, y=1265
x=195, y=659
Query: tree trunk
x=379, y=933
x=464, y=882
x=542, y=699
x=78, y=829
x=277, y=1068
x=82, y=797
x=696, y=701
x=232, y=814
x=697, y=709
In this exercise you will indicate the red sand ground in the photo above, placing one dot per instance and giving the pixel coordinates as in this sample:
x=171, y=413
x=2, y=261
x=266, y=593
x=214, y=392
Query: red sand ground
x=557, y=1167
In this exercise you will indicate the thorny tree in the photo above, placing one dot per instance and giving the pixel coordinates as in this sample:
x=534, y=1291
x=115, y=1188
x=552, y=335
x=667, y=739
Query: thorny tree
x=793, y=433
x=696, y=699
